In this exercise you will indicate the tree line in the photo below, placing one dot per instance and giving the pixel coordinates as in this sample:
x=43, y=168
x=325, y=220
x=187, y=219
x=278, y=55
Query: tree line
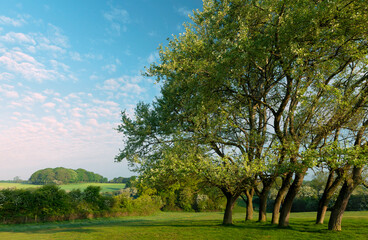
x=255, y=92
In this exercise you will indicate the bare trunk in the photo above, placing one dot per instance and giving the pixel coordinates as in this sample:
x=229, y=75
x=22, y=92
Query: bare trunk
x=288, y=202
x=280, y=197
x=230, y=202
x=331, y=187
x=249, y=194
x=343, y=199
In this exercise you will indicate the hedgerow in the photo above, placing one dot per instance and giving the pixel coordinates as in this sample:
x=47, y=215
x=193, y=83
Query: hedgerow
x=50, y=203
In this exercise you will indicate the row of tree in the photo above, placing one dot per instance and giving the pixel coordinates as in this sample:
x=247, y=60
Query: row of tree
x=62, y=175
x=256, y=91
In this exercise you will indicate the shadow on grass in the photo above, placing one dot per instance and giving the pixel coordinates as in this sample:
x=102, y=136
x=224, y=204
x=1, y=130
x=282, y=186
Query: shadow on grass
x=183, y=222
x=89, y=226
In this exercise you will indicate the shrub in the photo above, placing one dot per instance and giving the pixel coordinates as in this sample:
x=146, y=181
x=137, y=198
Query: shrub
x=145, y=204
x=51, y=201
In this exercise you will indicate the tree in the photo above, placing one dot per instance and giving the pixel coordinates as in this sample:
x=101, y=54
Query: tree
x=331, y=155
x=252, y=89
x=356, y=159
x=63, y=176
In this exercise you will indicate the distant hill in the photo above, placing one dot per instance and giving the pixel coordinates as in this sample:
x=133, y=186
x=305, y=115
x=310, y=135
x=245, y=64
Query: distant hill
x=62, y=175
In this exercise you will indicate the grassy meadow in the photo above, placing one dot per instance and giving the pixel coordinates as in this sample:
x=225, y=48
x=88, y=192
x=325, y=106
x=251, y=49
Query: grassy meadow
x=184, y=225
x=105, y=187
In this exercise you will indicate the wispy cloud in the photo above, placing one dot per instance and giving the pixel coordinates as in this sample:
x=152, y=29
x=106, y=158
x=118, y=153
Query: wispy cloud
x=152, y=57
x=57, y=37
x=132, y=88
x=75, y=56
x=184, y=11
x=28, y=67
x=49, y=105
x=110, y=68
x=125, y=86
x=117, y=18
x=111, y=85
x=4, y=20
x=37, y=97
x=6, y=76
x=22, y=54
x=8, y=91
x=18, y=38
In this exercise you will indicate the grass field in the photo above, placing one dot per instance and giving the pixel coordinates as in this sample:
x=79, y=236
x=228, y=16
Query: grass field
x=182, y=225
x=105, y=187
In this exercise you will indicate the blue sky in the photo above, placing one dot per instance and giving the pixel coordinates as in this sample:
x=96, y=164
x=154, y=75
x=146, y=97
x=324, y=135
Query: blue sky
x=67, y=70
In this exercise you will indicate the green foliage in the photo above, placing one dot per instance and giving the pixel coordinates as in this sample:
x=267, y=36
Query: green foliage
x=63, y=176
x=50, y=203
x=131, y=182
x=141, y=205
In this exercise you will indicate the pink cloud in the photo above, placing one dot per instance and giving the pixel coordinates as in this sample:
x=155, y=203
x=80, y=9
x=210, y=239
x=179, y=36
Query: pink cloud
x=38, y=97
x=93, y=122
x=49, y=105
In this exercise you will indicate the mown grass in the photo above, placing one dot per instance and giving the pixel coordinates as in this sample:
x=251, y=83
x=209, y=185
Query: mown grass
x=105, y=187
x=182, y=225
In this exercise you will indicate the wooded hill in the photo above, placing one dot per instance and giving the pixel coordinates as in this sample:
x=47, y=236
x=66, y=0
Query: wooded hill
x=62, y=175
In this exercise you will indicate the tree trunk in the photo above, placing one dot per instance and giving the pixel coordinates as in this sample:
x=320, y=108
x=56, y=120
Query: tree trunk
x=323, y=202
x=339, y=207
x=230, y=202
x=249, y=194
x=347, y=189
x=331, y=187
x=262, y=217
x=263, y=196
x=288, y=202
x=280, y=197
x=343, y=199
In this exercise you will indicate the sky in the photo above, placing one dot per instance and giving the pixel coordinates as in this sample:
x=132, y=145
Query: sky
x=67, y=70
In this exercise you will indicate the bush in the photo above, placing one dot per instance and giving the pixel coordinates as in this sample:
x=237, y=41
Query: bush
x=142, y=205
x=51, y=201
x=145, y=204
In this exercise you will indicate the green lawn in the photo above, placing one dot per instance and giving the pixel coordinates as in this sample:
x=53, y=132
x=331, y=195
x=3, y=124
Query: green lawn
x=106, y=187
x=182, y=225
